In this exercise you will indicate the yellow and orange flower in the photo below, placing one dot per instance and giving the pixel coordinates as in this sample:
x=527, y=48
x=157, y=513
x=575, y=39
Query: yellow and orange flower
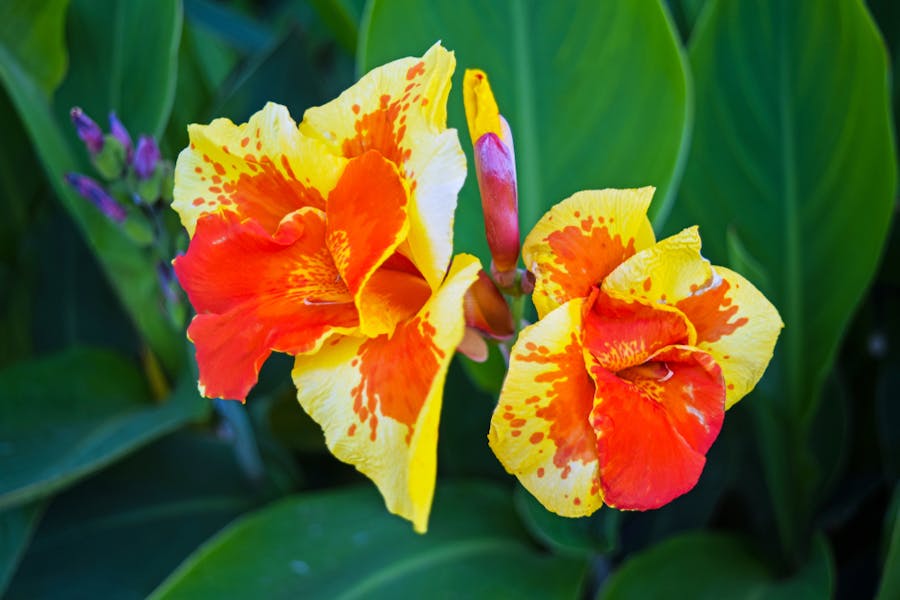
x=615, y=395
x=332, y=241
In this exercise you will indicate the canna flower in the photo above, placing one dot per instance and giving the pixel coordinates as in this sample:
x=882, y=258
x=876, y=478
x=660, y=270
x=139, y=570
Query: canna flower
x=495, y=167
x=615, y=395
x=332, y=241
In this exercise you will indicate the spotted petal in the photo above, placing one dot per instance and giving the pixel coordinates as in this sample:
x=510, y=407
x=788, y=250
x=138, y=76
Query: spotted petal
x=379, y=399
x=366, y=223
x=255, y=293
x=653, y=429
x=262, y=170
x=541, y=429
x=400, y=110
x=582, y=239
x=734, y=322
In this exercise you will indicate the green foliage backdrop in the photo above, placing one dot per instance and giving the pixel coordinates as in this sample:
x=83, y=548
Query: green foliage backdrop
x=770, y=124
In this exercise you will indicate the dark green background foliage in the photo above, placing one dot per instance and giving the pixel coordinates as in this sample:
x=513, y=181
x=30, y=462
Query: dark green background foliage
x=768, y=123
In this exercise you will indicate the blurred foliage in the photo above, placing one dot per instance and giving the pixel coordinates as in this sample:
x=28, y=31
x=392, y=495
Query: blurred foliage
x=781, y=119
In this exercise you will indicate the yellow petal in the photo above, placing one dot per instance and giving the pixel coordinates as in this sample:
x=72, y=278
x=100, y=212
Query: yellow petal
x=738, y=326
x=400, y=110
x=378, y=400
x=733, y=321
x=262, y=169
x=482, y=114
x=582, y=239
x=541, y=429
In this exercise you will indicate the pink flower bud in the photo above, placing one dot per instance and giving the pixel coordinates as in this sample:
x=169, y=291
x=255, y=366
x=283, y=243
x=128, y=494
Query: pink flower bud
x=496, y=171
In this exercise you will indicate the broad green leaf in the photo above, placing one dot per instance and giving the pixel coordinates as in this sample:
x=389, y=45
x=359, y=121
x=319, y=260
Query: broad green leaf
x=33, y=33
x=584, y=536
x=65, y=416
x=124, y=57
x=890, y=573
x=595, y=92
x=716, y=566
x=793, y=152
x=343, y=544
x=121, y=532
x=130, y=269
x=16, y=528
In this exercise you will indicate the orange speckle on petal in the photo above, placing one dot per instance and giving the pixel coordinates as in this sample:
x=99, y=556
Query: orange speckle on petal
x=244, y=142
x=536, y=437
x=648, y=283
x=417, y=69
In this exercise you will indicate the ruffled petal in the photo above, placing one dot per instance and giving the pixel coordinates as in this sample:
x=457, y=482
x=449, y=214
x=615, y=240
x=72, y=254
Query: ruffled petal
x=654, y=424
x=366, y=223
x=400, y=110
x=734, y=322
x=621, y=334
x=582, y=239
x=255, y=293
x=261, y=170
x=378, y=400
x=541, y=429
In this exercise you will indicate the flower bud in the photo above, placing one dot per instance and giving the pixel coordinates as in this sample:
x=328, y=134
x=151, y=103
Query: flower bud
x=146, y=157
x=89, y=132
x=495, y=170
x=118, y=131
x=486, y=310
x=94, y=192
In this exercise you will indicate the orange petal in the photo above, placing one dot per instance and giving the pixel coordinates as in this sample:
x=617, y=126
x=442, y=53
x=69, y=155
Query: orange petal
x=262, y=170
x=582, y=239
x=734, y=322
x=654, y=424
x=400, y=110
x=367, y=221
x=621, y=334
x=379, y=399
x=541, y=429
x=255, y=293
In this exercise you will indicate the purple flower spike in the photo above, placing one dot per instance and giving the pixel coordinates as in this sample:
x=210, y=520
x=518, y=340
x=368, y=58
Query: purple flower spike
x=93, y=191
x=145, y=157
x=119, y=132
x=89, y=132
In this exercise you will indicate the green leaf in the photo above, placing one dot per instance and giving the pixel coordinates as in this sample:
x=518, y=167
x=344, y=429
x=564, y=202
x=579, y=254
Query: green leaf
x=890, y=578
x=16, y=527
x=584, y=536
x=125, y=59
x=716, y=566
x=65, y=416
x=130, y=269
x=595, y=92
x=120, y=533
x=343, y=544
x=793, y=152
x=33, y=33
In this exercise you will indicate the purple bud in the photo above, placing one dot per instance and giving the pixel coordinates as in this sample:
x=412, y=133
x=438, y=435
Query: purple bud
x=119, y=132
x=89, y=132
x=145, y=157
x=166, y=276
x=93, y=191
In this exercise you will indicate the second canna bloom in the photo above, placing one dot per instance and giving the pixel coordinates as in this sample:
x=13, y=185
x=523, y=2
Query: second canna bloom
x=332, y=241
x=615, y=395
